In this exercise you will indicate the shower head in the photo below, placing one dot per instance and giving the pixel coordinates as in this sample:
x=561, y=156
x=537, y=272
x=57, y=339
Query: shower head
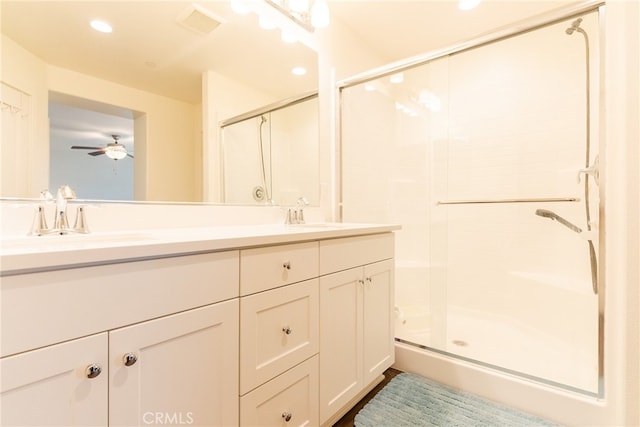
x=575, y=25
x=263, y=119
x=545, y=213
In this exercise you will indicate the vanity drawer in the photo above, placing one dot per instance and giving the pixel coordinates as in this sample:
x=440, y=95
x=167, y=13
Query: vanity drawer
x=40, y=309
x=270, y=267
x=294, y=394
x=342, y=254
x=278, y=329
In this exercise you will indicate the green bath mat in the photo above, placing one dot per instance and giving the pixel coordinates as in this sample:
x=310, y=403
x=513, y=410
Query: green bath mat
x=411, y=400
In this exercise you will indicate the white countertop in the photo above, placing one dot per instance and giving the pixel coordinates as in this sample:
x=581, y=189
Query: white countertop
x=40, y=253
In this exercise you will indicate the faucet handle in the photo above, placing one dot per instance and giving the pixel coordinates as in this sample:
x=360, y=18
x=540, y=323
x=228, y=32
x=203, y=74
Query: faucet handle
x=289, y=216
x=39, y=222
x=80, y=225
x=46, y=196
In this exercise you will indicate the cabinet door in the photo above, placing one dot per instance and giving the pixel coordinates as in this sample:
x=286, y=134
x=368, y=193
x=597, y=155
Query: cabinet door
x=378, y=294
x=340, y=340
x=50, y=386
x=183, y=369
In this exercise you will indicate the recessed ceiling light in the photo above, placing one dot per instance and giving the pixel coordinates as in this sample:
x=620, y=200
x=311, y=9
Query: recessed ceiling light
x=468, y=4
x=101, y=26
x=299, y=71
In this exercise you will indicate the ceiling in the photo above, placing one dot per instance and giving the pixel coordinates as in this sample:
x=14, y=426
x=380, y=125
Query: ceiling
x=399, y=29
x=150, y=50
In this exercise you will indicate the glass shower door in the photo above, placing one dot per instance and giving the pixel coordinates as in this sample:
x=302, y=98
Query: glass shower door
x=478, y=155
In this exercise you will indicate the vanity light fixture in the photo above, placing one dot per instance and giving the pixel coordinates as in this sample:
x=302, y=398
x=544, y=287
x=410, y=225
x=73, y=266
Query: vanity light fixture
x=309, y=14
x=240, y=7
x=320, y=14
x=101, y=26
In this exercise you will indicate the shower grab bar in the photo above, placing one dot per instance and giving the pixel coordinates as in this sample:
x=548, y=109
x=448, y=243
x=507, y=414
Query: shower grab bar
x=531, y=200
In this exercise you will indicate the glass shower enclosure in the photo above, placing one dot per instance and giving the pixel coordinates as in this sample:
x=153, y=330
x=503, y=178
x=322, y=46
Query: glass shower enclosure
x=488, y=157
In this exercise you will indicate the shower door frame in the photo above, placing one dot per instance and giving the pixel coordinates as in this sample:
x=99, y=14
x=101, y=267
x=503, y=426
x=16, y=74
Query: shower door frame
x=531, y=24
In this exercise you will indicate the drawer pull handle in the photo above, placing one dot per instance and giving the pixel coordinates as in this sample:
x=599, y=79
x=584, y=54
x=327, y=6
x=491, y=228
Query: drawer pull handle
x=129, y=359
x=287, y=330
x=93, y=370
x=286, y=416
x=360, y=281
x=287, y=265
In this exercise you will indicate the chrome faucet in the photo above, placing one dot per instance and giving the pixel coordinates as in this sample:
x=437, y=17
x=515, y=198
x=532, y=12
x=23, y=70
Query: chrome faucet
x=295, y=215
x=61, y=221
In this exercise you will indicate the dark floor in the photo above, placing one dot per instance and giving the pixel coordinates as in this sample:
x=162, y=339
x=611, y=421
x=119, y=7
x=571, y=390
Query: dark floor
x=347, y=420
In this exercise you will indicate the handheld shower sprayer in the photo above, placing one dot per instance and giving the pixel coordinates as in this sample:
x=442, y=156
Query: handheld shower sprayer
x=545, y=213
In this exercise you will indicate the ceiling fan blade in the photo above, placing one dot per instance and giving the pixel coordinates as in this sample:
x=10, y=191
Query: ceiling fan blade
x=82, y=147
x=130, y=155
x=96, y=153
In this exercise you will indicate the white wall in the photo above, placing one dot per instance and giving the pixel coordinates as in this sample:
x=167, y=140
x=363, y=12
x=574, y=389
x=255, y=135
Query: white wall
x=622, y=133
x=24, y=71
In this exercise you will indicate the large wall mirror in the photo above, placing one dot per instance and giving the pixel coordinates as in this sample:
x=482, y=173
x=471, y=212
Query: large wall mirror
x=153, y=72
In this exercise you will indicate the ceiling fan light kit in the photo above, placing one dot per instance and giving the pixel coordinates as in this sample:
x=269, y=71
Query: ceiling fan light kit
x=113, y=150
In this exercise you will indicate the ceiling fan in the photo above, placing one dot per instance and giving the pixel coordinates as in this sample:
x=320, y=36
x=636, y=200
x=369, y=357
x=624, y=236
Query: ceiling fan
x=113, y=150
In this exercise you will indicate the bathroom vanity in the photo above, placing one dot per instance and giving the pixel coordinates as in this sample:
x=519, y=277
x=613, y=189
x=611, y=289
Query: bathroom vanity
x=209, y=326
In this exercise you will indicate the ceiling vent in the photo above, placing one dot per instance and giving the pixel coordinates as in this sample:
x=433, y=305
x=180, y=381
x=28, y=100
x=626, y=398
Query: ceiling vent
x=199, y=20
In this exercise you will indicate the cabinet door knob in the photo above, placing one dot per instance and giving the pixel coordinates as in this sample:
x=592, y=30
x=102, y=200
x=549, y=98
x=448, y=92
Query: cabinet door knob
x=360, y=281
x=368, y=279
x=287, y=330
x=93, y=370
x=287, y=265
x=129, y=359
x=286, y=416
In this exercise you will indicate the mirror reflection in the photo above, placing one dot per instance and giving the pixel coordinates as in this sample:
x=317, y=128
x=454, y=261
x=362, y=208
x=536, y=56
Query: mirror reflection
x=93, y=150
x=172, y=80
x=277, y=150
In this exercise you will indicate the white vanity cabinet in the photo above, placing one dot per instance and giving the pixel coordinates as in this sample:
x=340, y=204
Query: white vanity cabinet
x=279, y=335
x=356, y=319
x=267, y=330
x=179, y=369
x=174, y=321
x=50, y=386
